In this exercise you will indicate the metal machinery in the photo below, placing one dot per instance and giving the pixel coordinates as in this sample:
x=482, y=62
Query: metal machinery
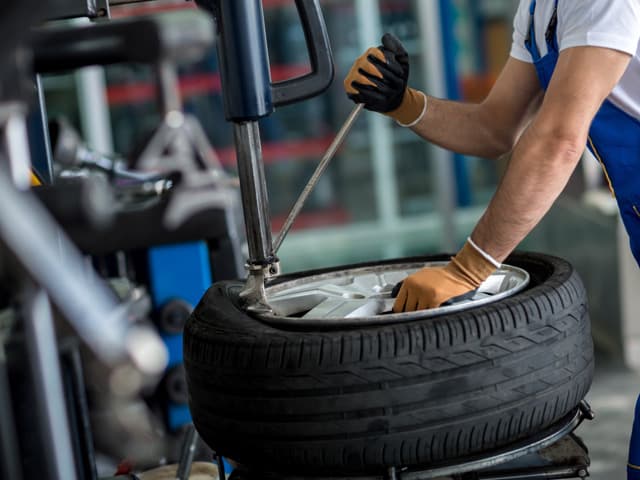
x=178, y=188
x=43, y=429
x=118, y=224
x=554, y=454
x=248, y=96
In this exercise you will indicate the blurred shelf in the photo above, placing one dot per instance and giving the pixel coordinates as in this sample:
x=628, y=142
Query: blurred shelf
x=58, y=82
x=148, y=8
x=366, y=241
x=309, y=148
x=274, y=152
x=331, y=216
x=190, y=85
x=361, y=140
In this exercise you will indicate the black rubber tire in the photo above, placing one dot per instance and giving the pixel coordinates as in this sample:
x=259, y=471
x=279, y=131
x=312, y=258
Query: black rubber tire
x=415, y=393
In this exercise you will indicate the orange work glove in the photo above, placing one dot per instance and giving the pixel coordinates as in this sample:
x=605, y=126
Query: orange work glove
x=431, y=287
x=378, y=79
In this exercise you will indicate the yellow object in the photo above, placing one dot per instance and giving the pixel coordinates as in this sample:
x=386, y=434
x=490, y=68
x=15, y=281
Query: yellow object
x=35, y=181
x=432, y=286
x=604, y=169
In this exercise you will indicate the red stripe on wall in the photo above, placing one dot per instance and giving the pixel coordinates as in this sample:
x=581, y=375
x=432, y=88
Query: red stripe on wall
x=190, y=85
x=273, y=152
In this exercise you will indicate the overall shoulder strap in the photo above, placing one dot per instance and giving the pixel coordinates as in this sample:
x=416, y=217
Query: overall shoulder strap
x=530, y=42
x=551, y=35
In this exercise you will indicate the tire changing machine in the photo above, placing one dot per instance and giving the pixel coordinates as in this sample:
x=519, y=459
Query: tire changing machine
x=556, y=453
x=249, y=95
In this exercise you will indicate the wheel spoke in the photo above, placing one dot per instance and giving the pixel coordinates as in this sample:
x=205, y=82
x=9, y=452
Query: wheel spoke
x=290, y=305
x=343, y=308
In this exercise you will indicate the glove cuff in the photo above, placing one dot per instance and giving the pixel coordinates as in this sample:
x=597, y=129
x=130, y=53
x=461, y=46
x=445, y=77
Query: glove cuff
x=412, y=108
x=487, y=257
x=473, y=264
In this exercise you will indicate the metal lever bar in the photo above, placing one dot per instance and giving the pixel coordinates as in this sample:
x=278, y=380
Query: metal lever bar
x=322, y=166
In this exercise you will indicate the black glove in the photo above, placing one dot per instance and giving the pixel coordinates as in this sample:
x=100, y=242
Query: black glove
x=378, y=79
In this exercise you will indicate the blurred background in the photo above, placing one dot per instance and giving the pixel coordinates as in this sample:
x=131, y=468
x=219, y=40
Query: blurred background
x=389, y=193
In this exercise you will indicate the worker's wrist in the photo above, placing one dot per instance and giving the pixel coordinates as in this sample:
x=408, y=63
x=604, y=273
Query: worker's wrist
x=484, y=254
x=412, y=109
x=473, y=265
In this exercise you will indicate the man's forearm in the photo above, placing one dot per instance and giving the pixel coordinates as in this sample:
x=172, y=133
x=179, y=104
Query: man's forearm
x=460, y=127
x=538, y=172
x=491, y=128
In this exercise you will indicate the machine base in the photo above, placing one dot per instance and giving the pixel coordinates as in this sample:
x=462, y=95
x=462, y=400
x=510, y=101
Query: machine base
x=556, y=453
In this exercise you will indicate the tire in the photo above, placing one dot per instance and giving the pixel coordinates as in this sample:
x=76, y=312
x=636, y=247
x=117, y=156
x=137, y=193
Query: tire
x=408, y=394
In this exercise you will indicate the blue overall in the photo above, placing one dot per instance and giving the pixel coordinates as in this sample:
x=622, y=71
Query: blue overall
x=614, y=139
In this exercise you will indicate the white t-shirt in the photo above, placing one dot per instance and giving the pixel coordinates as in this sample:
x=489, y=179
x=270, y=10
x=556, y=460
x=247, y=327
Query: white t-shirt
x=600, y=23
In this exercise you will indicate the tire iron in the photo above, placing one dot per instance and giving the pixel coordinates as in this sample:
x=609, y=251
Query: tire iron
x=322, y=166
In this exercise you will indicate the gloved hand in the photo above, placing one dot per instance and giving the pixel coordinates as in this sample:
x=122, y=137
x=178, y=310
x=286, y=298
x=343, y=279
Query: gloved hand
x=378, y=79
x=431, y=287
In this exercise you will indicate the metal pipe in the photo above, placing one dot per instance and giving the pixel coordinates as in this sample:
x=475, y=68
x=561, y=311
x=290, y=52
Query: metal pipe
x=322, y=166
x=45, y=169
x=45, y=367
x=383, y=149
x=429, y=18
x=93, y=106
x=76, y=396
x=11, y=466
x=168, y=88
x=17, y=145
x=544, y=473
x=222, y=475
x=187, y=453
x=253, y=188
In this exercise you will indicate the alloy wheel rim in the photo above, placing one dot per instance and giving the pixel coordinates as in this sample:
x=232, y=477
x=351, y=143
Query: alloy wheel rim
x=362, y=295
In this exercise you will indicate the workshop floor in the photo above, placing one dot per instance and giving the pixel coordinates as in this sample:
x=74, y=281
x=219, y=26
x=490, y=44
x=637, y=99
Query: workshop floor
x=613, y=397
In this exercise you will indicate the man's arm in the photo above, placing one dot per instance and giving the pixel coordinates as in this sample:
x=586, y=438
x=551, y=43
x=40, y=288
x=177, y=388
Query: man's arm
x=378, y=79
x=541, y=164
x=488, y=129
x=550, y=148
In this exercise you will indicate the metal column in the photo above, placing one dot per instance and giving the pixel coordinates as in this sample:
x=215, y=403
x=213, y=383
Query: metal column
x=432, y=54
x=253, y=187
x=93, y=105
x=246, y=83
x=45, y=366
x=380, y=134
